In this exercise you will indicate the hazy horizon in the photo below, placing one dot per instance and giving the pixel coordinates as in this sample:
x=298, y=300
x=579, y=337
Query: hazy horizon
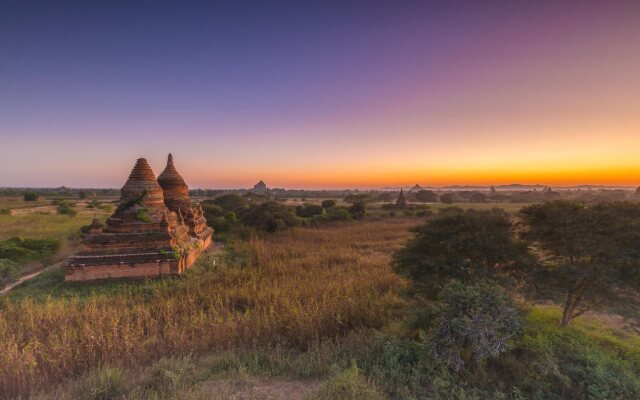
x=323, y=94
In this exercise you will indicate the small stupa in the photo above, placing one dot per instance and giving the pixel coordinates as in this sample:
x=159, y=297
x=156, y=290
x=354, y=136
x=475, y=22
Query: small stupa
x=142, y=239
x=402, y=201
x=176, y=198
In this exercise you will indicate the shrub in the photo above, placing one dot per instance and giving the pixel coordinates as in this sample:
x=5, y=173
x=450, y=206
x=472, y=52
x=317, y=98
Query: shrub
x=9, y=271
x=18, y=249
x=326, y=204
x=388, y=206
x=143, y=216
x=30, y=196
x=447, y=198
x=348, y=384
x=358, y=210
x=477, y=321
x=462, y=245
x=66, y=209
x=426, y=196
x=230, y=202
x=308, y=210
x=271, y=216
x=107, y=383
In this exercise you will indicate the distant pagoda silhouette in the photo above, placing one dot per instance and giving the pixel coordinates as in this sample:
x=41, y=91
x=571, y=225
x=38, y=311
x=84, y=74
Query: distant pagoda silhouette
x=401, y=202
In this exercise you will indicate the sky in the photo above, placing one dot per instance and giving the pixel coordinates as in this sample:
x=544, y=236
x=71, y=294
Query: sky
x=322, y=94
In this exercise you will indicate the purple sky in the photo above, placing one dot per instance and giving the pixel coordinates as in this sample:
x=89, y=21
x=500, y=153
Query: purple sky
x=320, y=94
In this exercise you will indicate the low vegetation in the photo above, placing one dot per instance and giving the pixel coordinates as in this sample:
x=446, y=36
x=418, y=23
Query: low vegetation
x=432, y=302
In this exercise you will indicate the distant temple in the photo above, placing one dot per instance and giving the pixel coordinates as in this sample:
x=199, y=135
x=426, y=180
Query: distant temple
x=402, y=201
x=260, y=188
x=154, y=231
x=415, y=189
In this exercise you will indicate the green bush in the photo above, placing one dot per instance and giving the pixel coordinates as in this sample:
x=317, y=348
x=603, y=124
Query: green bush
x=271, y=216
x=18, y=249
x=477, y=321
x=30, y=196
x=9, y=272
x=327, y=204
x=309, y=210
x=107, y=383
x=66, y=209
x=358, y=210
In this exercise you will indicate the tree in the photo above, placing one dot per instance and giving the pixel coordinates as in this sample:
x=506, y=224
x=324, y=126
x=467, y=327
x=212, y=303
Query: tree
x=231, y=202
x=356, y=198
x=327, y=204
x=477, y=197
x=308, y=210
x=426, y=196
x=462, y=245
x=30, y=196
x=358, y=209
x=476, y=321
x=447, y=198
x=271, y=216
x=82, y=195
x=592, y=252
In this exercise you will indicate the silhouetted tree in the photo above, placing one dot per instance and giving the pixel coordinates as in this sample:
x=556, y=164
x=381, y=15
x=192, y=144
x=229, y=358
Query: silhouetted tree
x=593, y=251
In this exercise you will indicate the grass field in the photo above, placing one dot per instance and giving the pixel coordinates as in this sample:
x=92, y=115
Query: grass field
x=288, y=289
x=11, y=203
x=309, y=313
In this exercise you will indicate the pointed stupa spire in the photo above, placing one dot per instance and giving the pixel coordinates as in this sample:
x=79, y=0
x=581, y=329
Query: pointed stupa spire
x=142, y=187
x=402, y=201
x=176, y=191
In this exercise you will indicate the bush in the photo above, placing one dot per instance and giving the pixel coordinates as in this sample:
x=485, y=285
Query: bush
x=66, y=209
x=30, y=196
x=348, y=384
x=18, y=249
x=463, y=245
x=477, y=321
x=230, y=202
x=358, y=210
x=426, y=196
x=9, y=272
x=308, y=210
x=271, y=216
x=326, y=204
x=447, y=198
x=107, y=383
x=388, y=206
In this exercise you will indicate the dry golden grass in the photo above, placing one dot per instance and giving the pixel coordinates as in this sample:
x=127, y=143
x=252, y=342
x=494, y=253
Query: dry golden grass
x=298, y=287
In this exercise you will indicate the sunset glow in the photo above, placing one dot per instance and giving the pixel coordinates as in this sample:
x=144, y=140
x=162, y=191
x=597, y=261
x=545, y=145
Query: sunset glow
x=322, y=95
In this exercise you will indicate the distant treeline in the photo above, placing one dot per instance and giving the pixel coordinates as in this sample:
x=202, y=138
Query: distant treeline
x=423, y=196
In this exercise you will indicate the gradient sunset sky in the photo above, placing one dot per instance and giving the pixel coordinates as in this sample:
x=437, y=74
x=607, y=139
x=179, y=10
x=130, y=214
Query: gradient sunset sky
x=310, y=94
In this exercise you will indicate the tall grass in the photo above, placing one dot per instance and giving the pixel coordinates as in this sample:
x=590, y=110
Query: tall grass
x=297, y=287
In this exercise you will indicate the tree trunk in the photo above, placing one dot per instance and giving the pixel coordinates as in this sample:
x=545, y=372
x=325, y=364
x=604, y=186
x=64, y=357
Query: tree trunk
x=573, y=300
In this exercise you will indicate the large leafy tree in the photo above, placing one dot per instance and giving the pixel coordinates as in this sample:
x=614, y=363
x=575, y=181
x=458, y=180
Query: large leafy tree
x=463, y=245
x=591, y=254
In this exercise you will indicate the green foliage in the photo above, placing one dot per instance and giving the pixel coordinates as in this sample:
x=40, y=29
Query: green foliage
x=462, y=245
x=107, y=383
x=358, y=197
x=447, y=198
x=131, y=203
x=9, y=271
x=358, y=210
x=271, y=216
x=82, y=194
x=230, y=203
x=348, y=384
x=476, y=321
x=326, y=204
x=477, y=198
x=230, y=217
x=143, y=216
x=593, y=251
x=66, y=209
x=30, y=196
x=426, y=196
x=309, y=210
x=18, y=249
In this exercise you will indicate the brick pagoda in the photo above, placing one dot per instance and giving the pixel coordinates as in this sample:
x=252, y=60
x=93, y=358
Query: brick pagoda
x=154, y=231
